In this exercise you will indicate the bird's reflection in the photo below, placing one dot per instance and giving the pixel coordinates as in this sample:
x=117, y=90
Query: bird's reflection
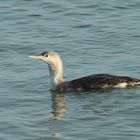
x=58, y=105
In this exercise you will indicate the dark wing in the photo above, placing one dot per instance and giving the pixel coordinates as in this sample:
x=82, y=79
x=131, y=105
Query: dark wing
x=99, y=81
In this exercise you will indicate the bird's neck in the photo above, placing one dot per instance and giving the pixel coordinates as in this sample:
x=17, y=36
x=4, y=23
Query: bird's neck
x=57, y=75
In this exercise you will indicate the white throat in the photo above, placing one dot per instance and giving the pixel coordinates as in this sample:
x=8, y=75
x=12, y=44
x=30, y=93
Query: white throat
x=56, y=73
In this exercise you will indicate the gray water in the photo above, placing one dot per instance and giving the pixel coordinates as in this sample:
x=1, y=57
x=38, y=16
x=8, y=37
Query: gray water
x=92, y=36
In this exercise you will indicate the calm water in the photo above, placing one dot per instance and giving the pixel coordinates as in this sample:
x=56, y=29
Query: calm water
x=92, y=36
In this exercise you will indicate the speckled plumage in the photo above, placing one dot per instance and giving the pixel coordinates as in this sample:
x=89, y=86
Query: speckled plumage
x=101, y=81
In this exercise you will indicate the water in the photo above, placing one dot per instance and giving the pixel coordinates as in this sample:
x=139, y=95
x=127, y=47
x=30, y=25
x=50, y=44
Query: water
x=92, y=36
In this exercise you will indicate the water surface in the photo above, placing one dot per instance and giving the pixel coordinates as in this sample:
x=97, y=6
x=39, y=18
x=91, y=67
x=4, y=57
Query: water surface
x=92, y=36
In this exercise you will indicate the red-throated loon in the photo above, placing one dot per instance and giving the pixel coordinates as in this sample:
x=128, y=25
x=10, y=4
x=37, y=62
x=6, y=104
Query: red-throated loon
x=96, y=81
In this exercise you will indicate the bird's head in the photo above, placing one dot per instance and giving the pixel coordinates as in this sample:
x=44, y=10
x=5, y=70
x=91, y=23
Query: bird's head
x=50, y=57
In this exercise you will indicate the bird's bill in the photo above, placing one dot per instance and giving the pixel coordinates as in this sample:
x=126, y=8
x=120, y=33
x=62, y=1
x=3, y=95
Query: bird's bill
x=35, y=57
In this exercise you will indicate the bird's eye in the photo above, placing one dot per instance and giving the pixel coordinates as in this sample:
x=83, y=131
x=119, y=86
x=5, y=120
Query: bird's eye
x=46, y=55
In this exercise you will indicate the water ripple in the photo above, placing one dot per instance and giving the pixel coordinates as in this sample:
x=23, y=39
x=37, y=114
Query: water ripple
x=91, y=37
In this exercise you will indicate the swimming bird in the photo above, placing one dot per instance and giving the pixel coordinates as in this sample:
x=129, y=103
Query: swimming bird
x=96, y=81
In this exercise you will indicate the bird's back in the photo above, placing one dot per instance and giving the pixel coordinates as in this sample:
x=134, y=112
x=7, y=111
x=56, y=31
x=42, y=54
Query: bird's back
x=101, y=81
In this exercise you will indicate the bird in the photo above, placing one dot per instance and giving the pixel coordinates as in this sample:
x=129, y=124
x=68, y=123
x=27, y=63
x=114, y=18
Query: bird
x=90, y=82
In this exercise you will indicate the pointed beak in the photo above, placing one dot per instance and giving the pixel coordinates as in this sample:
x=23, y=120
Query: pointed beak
x=39, y=57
